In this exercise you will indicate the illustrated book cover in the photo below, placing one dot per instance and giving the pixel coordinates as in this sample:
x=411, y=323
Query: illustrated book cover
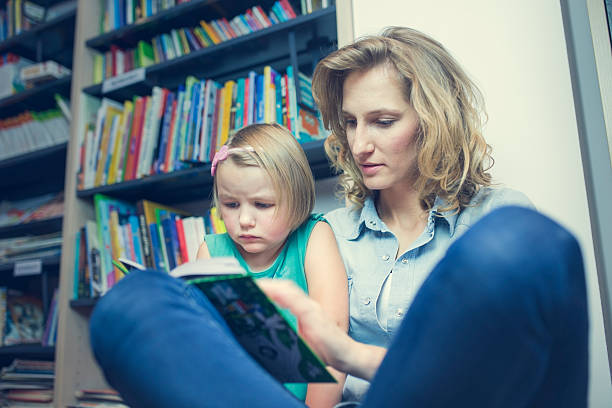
x=258, y=325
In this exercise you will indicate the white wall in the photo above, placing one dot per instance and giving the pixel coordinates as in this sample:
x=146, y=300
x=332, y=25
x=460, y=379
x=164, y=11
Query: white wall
x=515, y=51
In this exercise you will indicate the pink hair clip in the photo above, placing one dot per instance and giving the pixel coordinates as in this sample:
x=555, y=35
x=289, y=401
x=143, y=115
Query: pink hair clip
x=223, y=153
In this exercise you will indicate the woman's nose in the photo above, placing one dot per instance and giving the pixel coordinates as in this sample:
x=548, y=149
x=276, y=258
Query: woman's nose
x=362, y=143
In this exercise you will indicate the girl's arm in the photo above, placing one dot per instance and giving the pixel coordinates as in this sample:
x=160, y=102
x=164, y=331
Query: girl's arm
x=203, y=252
x=325, y=337
x=327, y=285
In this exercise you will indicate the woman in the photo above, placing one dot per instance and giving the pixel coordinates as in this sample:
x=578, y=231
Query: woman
x=406, y=126
x=499, y=322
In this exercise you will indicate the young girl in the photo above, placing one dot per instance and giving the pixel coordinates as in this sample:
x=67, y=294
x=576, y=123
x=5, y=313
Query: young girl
x=264, y=191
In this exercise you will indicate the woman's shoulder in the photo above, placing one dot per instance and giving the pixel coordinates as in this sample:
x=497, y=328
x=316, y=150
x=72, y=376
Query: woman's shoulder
x=489, y=198
x=486, y=200
x=344, y=220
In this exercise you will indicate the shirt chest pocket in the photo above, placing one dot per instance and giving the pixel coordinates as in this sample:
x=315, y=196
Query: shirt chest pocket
x=362, y=303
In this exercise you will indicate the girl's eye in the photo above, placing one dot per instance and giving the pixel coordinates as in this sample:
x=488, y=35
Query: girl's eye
x=264, y=205
x=230, y=204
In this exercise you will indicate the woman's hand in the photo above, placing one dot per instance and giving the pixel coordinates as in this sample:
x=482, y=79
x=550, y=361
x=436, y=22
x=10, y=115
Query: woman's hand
x=322, y=334
x=330, y=343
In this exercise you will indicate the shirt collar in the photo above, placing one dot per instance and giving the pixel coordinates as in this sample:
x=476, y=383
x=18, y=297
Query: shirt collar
x=368, y=218
x=449, y=216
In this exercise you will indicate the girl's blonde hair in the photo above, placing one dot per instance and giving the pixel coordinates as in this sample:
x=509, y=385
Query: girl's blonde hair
x=276, y=151
x=453, y=158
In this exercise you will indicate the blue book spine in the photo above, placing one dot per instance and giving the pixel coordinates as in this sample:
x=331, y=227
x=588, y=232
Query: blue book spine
x=163, y=143
x=259, y=99
x=158, y=256
x=135, y=227
x=251, y=113
x=167, y=229
x=197, y=138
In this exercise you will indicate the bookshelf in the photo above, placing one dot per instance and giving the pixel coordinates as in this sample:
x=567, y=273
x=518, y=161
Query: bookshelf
x=299, y=42
x=38, y=171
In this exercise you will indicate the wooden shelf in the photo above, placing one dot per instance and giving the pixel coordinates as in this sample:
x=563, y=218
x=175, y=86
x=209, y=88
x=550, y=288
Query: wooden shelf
x=192, y=184
x=53, y=36
x=235, y=57
x=34, y=350
x=38, y=227
x=38, y=98
x=84, y=304
x=33, y=173
x=50, y=263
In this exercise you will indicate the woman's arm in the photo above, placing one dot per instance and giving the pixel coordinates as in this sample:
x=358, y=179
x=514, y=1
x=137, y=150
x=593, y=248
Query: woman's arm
x=330, y=342
x=203, y=252
x=327, y=285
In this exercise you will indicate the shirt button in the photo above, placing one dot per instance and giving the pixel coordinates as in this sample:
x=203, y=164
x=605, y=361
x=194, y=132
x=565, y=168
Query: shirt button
x=366, y=301
x=399, y=313
x=404, y=261
x=385, y=257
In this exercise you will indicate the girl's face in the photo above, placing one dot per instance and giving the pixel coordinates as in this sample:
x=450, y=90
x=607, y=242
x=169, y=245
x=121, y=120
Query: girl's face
x=254, y=218
x=381, y=128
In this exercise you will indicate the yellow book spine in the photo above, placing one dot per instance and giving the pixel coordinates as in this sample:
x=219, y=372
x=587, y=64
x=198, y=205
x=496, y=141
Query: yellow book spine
x=218, y=224
x=110, y=114
x=267, y=79
x=112, y=171
x=211, y=33
x=184, y=41
x=227, y=101
x=115, y=244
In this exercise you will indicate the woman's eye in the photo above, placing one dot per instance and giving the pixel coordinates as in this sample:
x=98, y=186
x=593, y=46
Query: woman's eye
x=350, y=123
x=385, y=122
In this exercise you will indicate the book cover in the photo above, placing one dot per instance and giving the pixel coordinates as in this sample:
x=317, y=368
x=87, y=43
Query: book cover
x=258, y=325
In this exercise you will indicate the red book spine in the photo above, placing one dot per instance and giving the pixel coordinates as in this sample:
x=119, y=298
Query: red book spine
x=180, y=232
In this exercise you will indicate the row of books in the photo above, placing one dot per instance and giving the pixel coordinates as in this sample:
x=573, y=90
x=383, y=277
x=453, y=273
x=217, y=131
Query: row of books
x=182, y=41
x=31, y=209
x=30, y=247
x=22, y=319
x=118, y=13
x=31, y=131
x=169, y=131
x=17, y=16
x=27, y=383
x=148, y=233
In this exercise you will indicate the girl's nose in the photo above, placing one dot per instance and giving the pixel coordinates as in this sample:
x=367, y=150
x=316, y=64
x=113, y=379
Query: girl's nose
x=246, y=219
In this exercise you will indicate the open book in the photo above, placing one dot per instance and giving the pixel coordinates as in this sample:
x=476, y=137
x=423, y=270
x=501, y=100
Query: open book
x=255, y=321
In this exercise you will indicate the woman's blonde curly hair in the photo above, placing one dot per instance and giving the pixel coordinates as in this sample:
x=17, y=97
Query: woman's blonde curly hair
x=453, y=158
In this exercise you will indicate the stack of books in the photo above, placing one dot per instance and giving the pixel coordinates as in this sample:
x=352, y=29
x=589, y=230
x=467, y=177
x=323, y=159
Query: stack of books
x=41, y=72
x=31, y=209
x=98, y=398
x=28, y=383
x=30, y=247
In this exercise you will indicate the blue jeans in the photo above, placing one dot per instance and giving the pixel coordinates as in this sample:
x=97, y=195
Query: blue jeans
x=500, y=322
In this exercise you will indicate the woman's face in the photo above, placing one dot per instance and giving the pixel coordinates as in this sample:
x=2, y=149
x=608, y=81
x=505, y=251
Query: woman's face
x=381, y=128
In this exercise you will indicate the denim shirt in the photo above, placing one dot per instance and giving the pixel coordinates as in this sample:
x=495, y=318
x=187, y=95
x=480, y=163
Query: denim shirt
x=369, y=251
